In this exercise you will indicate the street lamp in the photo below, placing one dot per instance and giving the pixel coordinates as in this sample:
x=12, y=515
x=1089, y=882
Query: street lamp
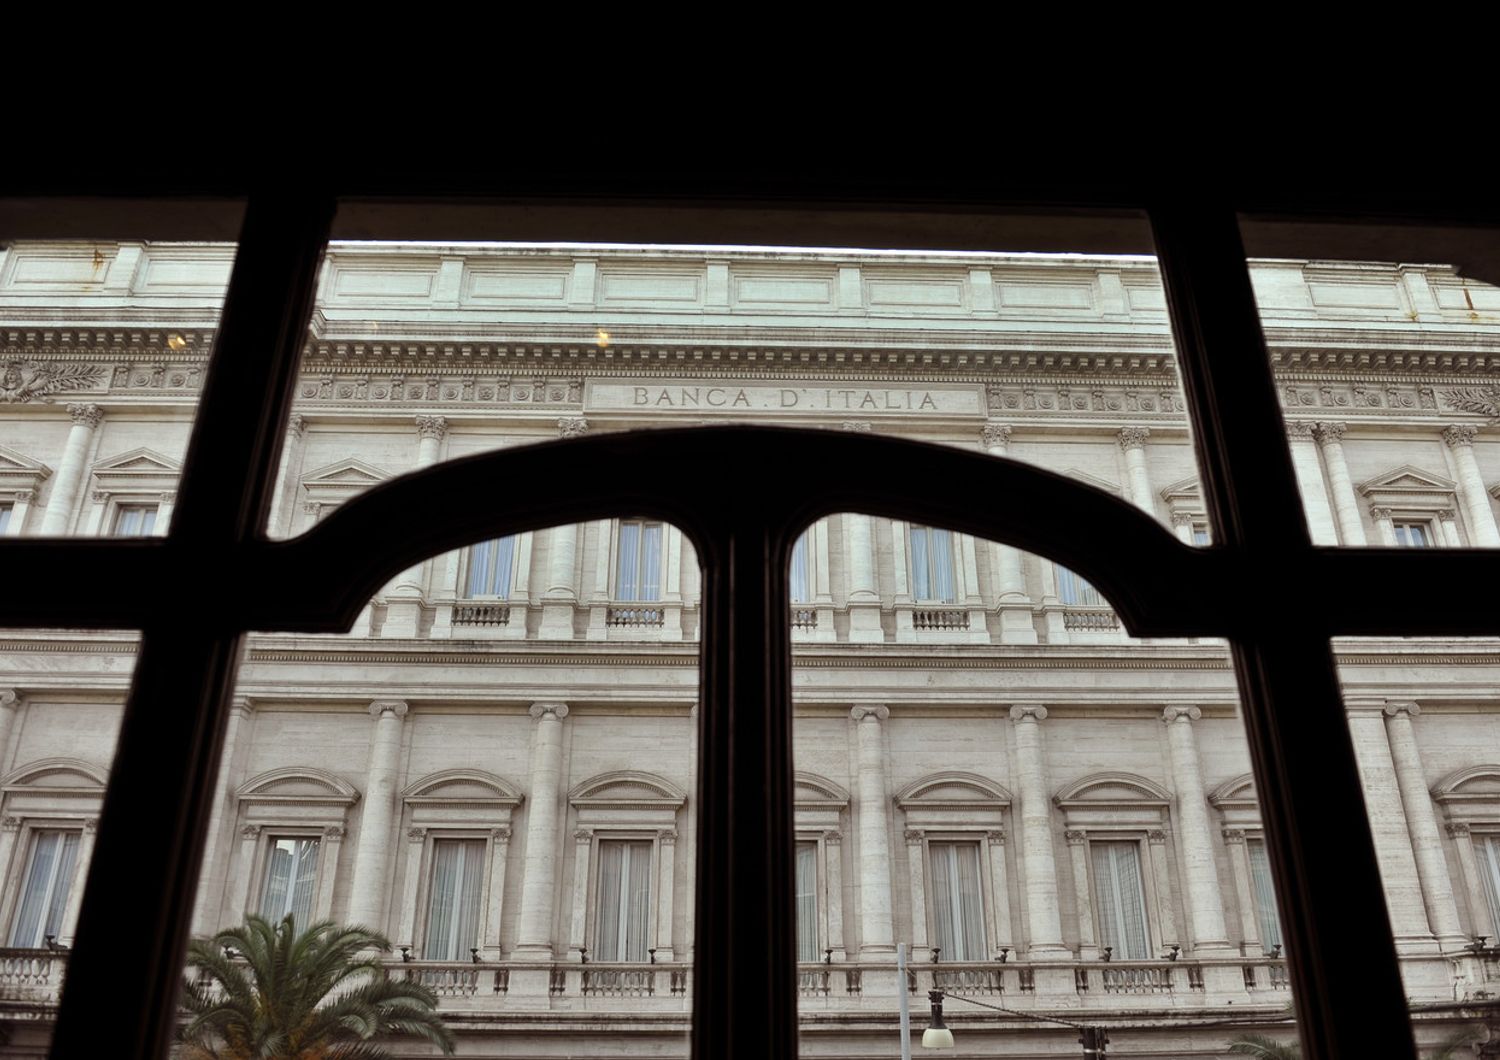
x=938, y=1036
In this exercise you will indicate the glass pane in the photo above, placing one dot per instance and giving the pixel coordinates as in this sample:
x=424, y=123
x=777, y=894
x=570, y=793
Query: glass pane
x=1046, y=814
x=505, y=799
x=104, y=346
x=1386, y=379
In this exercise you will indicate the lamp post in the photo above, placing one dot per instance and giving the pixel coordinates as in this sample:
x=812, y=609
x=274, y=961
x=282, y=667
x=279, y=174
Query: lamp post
x=938, y=1036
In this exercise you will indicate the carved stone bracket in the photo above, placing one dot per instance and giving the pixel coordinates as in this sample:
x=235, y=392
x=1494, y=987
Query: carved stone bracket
x=572, y=427
x=995, y=435
x=1233, y=835
x=334, y=831
x=1330, y=432
x=1156, y=836
x=1075, y=836
x=1299, y=428
x=416, y=835
x=857, y=426
x=833, y=837
x=250, y=831
x=914, y=836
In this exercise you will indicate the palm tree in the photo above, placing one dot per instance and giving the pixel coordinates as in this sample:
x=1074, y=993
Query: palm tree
x=269, y=992
x=1263, y=1048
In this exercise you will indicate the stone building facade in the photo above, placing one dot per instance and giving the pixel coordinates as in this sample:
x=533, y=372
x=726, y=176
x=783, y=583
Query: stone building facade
x=496, y=767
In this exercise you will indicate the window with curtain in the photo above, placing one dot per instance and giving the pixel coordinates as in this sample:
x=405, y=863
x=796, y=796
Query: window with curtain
x=639, y=570
x=800, y=590
x=932, y=565
x=1120, y=899
x=624, y=900
x=807, y=902
x=291, y=879
x=957, y=911
x=1265, y=894
x=1073, y=589
x=135, y=520
x=1413, y=535
x=1487, y=851
x=5, y=512
x=49, y=878
x=454, y=897
x=490, y=566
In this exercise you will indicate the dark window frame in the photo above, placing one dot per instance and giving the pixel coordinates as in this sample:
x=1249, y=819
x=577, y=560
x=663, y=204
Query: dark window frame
x=134, y=922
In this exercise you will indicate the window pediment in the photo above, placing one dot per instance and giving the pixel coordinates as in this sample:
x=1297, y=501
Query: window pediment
x=301, y=785
x=456, y=788
x=1092, y=480
x=333, y=484
x=1114, y=801
x=140, y=471
x=1470, y=795
x=953, y=800
x=57, y=775
x=1236, y=802
x=20, y=474
x=816, y=792
x=1408, y=488
x=627, y=789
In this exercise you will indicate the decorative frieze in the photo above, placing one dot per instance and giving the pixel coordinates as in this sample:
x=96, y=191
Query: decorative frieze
x=29, y=380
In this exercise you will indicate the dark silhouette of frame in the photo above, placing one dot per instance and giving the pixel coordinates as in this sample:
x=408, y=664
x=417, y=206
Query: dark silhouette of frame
x=743, y=495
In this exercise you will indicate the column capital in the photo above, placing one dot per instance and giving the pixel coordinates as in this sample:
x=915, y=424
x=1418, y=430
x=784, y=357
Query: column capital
x=295, y=424
x=667, y=837
x=432, y=426
x=334, y=831
x=914, y=836
x=1173, y=713
x=995, y=436
x=1460, y=434
x=242, y=705
x=10, y=699
x=1076, y=836
x=572, y=427
x=1182, y=518
x=91, y=826
x=1445, y=515
x=1456, y=829
x=86, y=413
x=1409, y=709
x=583, y=835
x=1156, y=835
x=13, y=824
x=1024, y=711
x=857, y=426
x=1299, y=428
x=995, y=835
x=416, y=835
x=880, y=712
x=1133, y=437
x=397, y=707
x=1329, y=432
x=833, y=836
x=1233, y=835
x=557, y=710
x=250, y=831
x=1379, y=513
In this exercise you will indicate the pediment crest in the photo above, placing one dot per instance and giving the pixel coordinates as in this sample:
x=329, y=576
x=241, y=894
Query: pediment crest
x=56, y=773
x=1092, y=480
x=298, y=784
x=1238, y=789
x=1482, y=781
x=12, y=462
x=349, y=472
x=1186, y=492
x=627, y=787
x=466, y=786
x=139, y=470
x=953, y=787
x=1112, y=789
x=1407, y=479
x=810, y=788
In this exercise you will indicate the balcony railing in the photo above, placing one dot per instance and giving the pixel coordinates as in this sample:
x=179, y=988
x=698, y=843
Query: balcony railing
x=481, y=614
x=940, y=618
x=1095, y=618
x=804, y=618
x=634, y=616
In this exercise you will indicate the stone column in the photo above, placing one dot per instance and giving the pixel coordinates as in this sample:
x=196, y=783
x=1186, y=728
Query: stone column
x=80, y=880
x=290, y=447
x=995, y=841
x=833, y=854
x=406, y=920
x=1310, y=482
x=1482, y=530
x=18, y=512
x=495, y=900
x=864, y=594
x=560, y=595
x=1480, y=921
x=10, y=831
x=403, y=612
x=1426, y=840
x=1182, y=526
x=371, y=853
x=1133, y=445
x=1450, y=527
x=876, y=936
x=666, y=845
x=86, y=419
x=245, y=870
x=211, y=876
x=1014, y=606
x=1385, y=529
x=917, y=869
x=1078, y=855
x=1044, y=922
x=1388, y=824
x=583, y=841
x=1203, y=888
x=165, y=502
x=328, y=865
x=1160, y=893
x=1345, y=507
x=539, y=884
x=1244, y=890
x=10, y=706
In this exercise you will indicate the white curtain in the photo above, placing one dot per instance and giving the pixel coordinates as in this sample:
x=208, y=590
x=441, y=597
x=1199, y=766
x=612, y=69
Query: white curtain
x=291, y=880
x=490, y=564
x=799, y=579
x=1487, y=850
x=48, y=881
x=454, y=899
x=650, y=587
x=639, y=576
x=1072, y=589
x=1265, y=894
x=5, y=510
x=807, y=901
x=932, y=565
x=958, y=913
x=624, y=900
x=1121, y=899
x=135, y=522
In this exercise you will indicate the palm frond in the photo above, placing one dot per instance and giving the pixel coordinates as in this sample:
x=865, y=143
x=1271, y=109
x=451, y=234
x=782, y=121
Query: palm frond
x=1484, y=400
x=1258, y=1045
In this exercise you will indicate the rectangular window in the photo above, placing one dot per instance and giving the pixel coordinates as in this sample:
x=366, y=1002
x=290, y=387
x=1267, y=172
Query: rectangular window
x=807, y=901
x=5, y=512
x=291, y=878
x=135, y=520
x=624, y=900
x=1413, y=535
x=1075, y=590
x=49, y=878
x=957, y=911
x=639, y=576
x=490, y=566
x=1265, y=894
x=454, y=898
x=1121, y=899
x=1200, y=534
x=932, y=565
x=800, y=581
x=1487, y=850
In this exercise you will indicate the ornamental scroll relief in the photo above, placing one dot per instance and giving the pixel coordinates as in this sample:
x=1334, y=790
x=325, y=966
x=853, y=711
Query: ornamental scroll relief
x=27, y=380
